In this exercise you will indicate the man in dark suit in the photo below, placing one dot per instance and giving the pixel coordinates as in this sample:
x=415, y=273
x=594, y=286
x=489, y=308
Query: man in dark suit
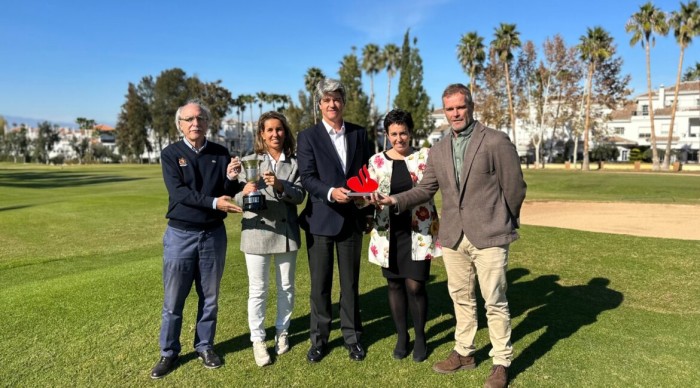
x=328, y=154
x=477, y=170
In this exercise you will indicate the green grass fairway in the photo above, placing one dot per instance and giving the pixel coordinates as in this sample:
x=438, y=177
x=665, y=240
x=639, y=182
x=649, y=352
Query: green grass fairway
x=613, y=186
x=81, y=292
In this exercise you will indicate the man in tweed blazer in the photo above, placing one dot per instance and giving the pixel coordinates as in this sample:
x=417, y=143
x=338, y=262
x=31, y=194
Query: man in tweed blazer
x=477, y=170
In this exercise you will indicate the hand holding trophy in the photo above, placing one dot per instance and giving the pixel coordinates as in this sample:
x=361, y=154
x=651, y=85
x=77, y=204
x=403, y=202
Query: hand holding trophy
x=255, y=200
x=362, y=185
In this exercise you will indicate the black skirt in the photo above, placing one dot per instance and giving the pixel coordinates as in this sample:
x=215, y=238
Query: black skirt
x=401, y=265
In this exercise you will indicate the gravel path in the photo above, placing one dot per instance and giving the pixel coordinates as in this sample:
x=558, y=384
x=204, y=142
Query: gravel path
x=637, y=219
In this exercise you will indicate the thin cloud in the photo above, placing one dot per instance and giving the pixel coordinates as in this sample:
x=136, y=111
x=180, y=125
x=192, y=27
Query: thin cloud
x=382, y=21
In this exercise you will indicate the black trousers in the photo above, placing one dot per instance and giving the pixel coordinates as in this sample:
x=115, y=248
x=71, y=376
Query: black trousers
x=348, y=248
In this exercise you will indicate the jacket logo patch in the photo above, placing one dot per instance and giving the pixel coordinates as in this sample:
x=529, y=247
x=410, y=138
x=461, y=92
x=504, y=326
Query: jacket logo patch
x=213, y=161
x=182, y=162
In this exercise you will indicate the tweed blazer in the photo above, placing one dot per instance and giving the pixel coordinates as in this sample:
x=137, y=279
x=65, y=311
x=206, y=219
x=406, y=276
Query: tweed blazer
x=275, y=229
x=485, y=207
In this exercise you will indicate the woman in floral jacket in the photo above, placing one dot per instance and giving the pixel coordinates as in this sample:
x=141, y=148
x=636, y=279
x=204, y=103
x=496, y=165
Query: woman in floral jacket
x=403, y=244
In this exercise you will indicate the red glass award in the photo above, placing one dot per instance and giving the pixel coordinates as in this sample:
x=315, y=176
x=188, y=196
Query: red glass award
x=362, y=185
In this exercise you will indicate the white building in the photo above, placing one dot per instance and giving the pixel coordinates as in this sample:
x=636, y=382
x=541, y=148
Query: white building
x=630, y=127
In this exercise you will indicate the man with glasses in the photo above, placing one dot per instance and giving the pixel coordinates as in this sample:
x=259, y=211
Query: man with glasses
x=201, y=179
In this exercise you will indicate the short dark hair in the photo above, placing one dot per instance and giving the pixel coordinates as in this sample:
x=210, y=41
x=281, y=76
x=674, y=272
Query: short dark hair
x=398, y=116
x=289, y=143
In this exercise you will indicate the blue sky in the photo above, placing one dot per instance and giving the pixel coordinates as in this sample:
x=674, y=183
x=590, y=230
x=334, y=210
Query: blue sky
x=63, y=59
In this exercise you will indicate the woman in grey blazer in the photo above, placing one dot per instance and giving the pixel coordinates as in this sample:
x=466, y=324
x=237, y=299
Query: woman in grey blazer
x=272, y=232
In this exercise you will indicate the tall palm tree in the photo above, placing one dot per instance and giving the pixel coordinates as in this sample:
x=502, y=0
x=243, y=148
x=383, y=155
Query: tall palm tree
x=686, y=25
x=391, y=57
x=595, y=47
x=647, y=21
x=371, y=64
x=239, y=104
x=506, y=38
x=250, y=100
x=262, y=98
x=471, y=55
x=311, y=79
x=284, y=100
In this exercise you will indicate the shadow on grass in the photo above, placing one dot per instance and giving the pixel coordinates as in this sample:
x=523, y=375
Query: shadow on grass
x=16, y=207
x=55, y=179
x=560, y=310
x=376, y=318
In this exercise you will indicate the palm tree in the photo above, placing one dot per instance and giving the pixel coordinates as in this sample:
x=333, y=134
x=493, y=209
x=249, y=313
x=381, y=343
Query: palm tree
x=371, y=64
x=471, y=55
x=506, y=38
x=262, y=98
x=239, y=104
x=391, y=57
x=250, y=100
x=284, y=100
x=595, y=47
x=686, y=25
x=642, y=25
x=692, y=73
x=313, y=76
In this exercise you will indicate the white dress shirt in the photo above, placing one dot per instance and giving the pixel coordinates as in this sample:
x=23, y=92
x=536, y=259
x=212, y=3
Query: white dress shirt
x=339, y=141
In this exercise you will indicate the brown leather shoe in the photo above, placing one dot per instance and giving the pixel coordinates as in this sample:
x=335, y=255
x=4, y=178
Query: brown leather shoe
x=454, y=363
x=498, y=377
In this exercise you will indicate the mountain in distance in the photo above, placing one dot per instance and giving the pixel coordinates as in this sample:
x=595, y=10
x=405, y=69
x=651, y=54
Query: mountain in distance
x=33, y=123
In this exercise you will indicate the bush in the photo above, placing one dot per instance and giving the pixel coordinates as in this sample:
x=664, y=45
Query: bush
x=636, y=155
x=58, y=160
x=605, y=153
x=647, y=155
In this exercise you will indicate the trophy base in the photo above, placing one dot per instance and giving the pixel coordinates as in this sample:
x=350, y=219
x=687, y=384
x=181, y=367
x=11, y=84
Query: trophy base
x=253, y=202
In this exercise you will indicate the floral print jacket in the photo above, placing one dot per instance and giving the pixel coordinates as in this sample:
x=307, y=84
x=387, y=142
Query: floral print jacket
x=424, y=217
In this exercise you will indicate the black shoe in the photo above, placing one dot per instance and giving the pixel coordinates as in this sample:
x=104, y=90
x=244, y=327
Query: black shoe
x=401, y=348
x=356, y=352
x=209, y=359
x=315, y=354
x=420, y=351
x=164, y=366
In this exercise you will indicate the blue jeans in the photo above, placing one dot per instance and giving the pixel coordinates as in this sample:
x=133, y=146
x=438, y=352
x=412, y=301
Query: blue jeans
x=191, y=256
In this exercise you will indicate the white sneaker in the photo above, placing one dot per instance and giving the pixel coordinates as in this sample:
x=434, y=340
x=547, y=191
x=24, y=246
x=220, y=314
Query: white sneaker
x=262, y=357
x=282, y=343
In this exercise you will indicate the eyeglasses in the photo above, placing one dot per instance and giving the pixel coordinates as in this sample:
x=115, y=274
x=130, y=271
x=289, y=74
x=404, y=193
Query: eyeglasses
x=191, y=119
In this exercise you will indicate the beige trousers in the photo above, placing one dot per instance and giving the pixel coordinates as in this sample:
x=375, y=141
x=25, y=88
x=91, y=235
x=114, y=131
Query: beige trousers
x=463, y=266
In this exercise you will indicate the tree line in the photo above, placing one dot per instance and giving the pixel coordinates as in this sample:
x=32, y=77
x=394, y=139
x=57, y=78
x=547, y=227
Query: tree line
x=558, y=87
x=559, y=91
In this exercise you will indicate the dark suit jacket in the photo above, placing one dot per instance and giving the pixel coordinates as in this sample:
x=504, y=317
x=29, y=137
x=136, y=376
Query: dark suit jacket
x=320, y=169
x=486, y=205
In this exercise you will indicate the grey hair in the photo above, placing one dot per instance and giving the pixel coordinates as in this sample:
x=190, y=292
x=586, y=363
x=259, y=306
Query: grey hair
x=329, y=85
x=194, y=101
x=459, y=89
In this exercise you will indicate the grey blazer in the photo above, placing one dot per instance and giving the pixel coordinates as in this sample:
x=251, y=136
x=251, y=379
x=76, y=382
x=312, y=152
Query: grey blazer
x=275, y=229
x=486, y=205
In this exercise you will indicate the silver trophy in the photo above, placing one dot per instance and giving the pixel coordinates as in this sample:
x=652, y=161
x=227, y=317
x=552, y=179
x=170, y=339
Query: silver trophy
x=255, y=200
